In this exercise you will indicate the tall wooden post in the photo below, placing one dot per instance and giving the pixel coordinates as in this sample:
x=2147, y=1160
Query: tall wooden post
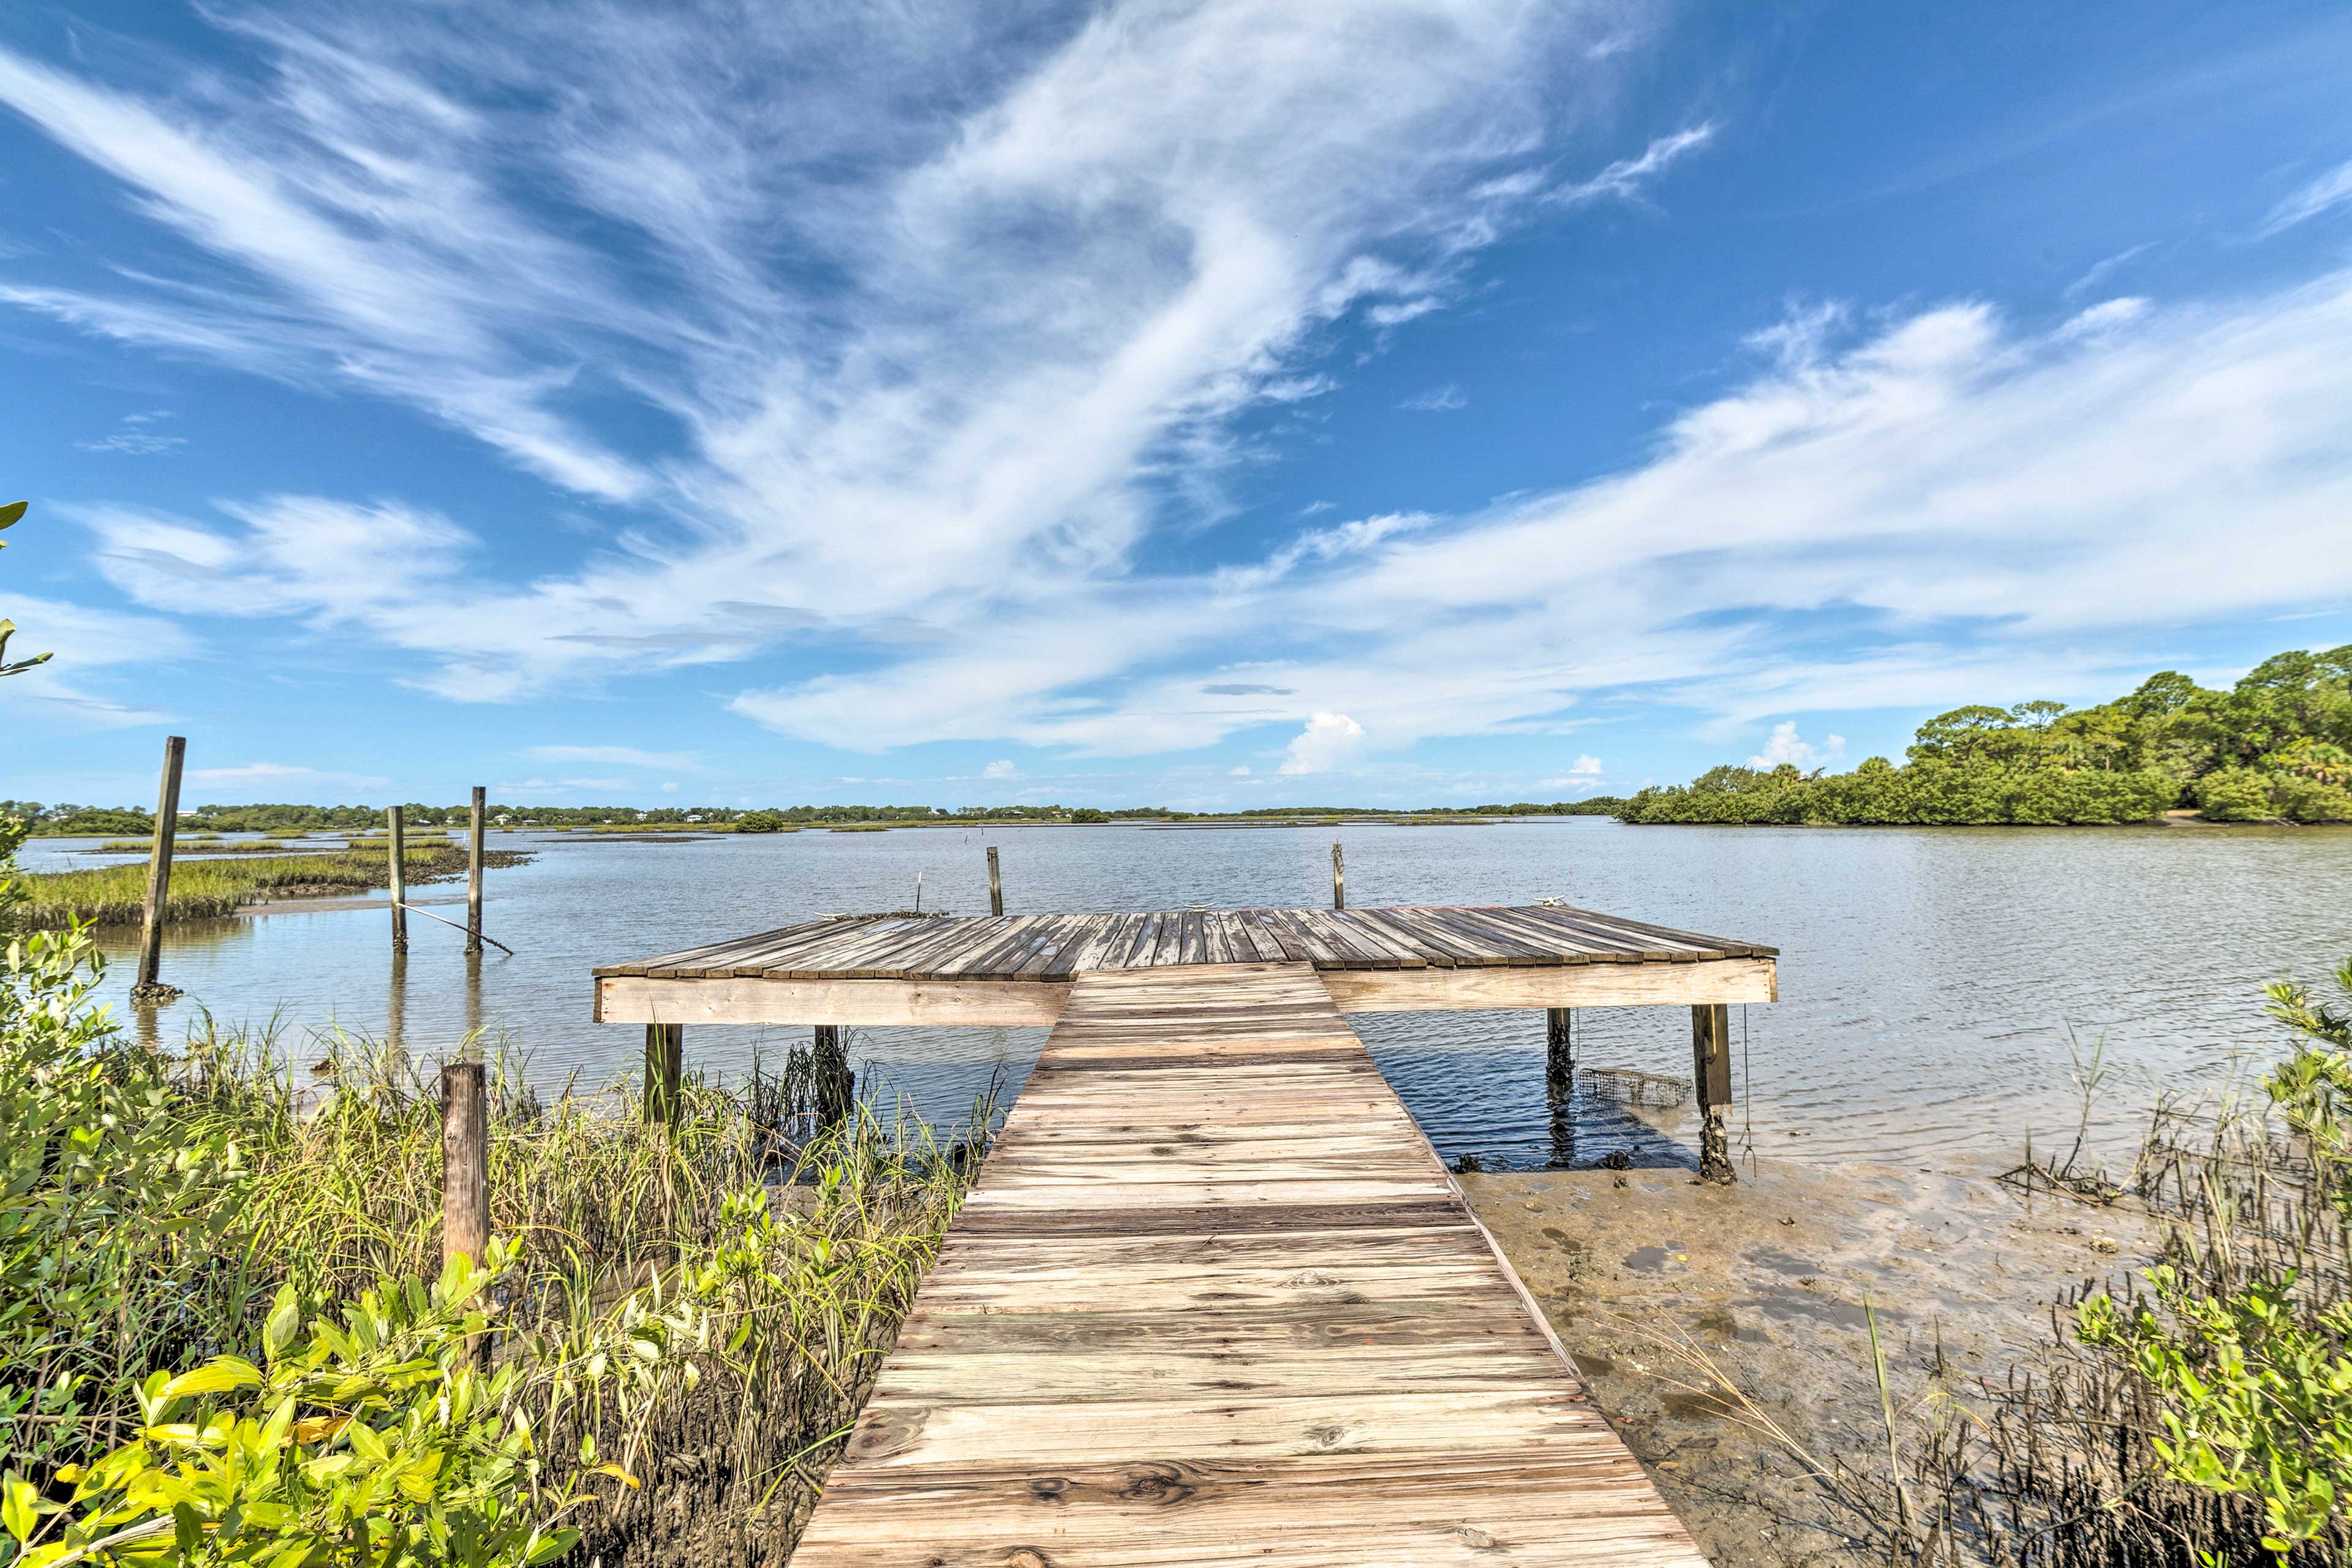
x=1560, y=1047
x=1338, y=877
x=473, y=876
x=1711, y=1073
x=465, y=1161
x=835, y=1086
x=665, y=1066
x=995, y=886
x=396, y=846
x=150, y=988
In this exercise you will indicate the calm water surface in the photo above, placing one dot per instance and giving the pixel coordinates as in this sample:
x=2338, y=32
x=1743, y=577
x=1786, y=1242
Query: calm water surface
x=1930, y=978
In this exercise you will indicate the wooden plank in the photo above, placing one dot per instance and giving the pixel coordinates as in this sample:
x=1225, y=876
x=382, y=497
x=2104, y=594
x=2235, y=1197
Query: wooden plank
x=1571, y=985
x=1215, y=1300
x=869, y=1004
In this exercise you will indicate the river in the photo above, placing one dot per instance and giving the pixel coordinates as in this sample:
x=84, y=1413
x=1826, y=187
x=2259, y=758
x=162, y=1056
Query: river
x=1936, y=983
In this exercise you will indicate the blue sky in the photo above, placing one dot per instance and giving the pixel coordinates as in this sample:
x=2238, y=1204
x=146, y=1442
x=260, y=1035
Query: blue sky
x=1215, y=405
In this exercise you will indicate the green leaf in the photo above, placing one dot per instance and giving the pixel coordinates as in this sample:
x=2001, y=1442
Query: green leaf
x=365, y=1440
x=11, y=512
x=219, y=1376
x=18, y=1498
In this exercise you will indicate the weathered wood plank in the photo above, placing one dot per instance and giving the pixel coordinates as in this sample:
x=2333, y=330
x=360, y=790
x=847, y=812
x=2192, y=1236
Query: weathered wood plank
x=1214, y=1300
x=870, y=1003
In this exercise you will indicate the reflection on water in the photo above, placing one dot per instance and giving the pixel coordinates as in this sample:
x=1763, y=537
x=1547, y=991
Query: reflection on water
x=1930, y=977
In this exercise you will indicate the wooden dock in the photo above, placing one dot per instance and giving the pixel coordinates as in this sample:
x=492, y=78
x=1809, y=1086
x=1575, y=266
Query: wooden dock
x=1215, y=1298
x=1018, y=969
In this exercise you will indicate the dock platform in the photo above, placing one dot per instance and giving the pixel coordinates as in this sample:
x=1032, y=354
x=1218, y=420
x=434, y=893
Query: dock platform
x=1214, y=1300
x=879, y=970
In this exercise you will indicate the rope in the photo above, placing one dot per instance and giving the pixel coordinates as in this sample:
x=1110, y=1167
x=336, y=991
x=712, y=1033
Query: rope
x=453, y=925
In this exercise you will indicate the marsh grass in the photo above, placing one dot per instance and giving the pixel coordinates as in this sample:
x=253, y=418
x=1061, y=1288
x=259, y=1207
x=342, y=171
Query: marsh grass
x=340, y=1186
x=209, y=888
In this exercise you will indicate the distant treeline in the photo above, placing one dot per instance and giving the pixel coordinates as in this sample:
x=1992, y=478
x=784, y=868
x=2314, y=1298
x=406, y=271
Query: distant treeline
x=2277, y=746
x=85, y=821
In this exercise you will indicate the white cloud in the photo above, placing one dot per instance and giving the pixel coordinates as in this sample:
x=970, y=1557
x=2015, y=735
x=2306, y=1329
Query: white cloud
x=1783, y=746
x=1001, y=769
x=1587, y=767
x=82, y=641
x=1624, y=179
x=1436, y=400
x=1970, y=507
x=1064, y=278
x=1328, y=741
x=273, y=774
x=1096, y=236
x=628, y=756
x=2329, y=190
x=1240, y=771
x=135, y=444
x=559, y=786
x=2099, y=271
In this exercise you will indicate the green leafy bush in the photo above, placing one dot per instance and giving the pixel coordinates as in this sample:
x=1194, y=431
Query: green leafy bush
x=762, y=822
x=2254, y=1376
x=218, y=1344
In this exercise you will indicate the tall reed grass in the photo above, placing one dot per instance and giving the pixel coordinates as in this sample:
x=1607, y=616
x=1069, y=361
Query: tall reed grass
x=345, y=1185
x=795, y=1250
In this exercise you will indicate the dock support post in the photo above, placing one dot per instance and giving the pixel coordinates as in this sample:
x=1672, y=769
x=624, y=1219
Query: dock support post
x=1338, y=877
x=834, y=1087
x=1711, y=1075
x=1560, y=1047
x=397, y=847
x=465, y=1161
x=665, y=1066
x=995, y=886
x=473, y=876
x=150, y=989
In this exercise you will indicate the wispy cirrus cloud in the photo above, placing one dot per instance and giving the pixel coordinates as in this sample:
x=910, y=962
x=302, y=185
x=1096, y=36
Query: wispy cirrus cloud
x=1626, y=179
x=932, y=303
x=2324, y=193
x=1920, y=512
x=293, y=774
x=626, y=756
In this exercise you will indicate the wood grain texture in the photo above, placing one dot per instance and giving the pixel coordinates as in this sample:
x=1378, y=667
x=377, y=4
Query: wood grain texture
x=1214, y=1300
x=984, y=968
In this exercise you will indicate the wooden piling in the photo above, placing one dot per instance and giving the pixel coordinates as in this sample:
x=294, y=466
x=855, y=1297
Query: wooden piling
x=665, y=1066
x=150, y=988
x=473, y=876
x=835, y=1086
x=397, y=847
x=1711, y=1075
x=465, y=1161
x=1338, y=877
x=995, y=886
x=1560, y=1046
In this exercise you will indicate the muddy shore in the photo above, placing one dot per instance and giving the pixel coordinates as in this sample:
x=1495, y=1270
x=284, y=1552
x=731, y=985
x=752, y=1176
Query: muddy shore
x=1768, y=1278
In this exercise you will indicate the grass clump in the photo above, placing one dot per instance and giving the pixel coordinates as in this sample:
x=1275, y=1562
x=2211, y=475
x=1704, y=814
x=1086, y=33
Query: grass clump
x=227, y=1334
x=207, y=889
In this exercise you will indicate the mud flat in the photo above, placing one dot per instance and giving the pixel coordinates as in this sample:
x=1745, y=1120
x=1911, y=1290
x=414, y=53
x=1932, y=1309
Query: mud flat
x=1769, y=1278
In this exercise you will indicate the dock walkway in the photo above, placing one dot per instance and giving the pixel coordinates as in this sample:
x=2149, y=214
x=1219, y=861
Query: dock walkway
x=1214, y=1300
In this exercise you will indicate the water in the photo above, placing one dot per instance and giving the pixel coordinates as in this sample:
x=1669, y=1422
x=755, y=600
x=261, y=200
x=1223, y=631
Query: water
x=1930, y=978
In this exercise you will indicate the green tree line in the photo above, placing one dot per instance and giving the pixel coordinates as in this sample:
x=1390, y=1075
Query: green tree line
x=2276, y=747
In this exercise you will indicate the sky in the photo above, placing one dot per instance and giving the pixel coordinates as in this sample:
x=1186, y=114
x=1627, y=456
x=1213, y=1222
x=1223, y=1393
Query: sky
x=1216, y=406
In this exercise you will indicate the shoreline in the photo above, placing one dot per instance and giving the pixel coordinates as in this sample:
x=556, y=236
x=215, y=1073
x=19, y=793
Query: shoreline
x=1770, y=1278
